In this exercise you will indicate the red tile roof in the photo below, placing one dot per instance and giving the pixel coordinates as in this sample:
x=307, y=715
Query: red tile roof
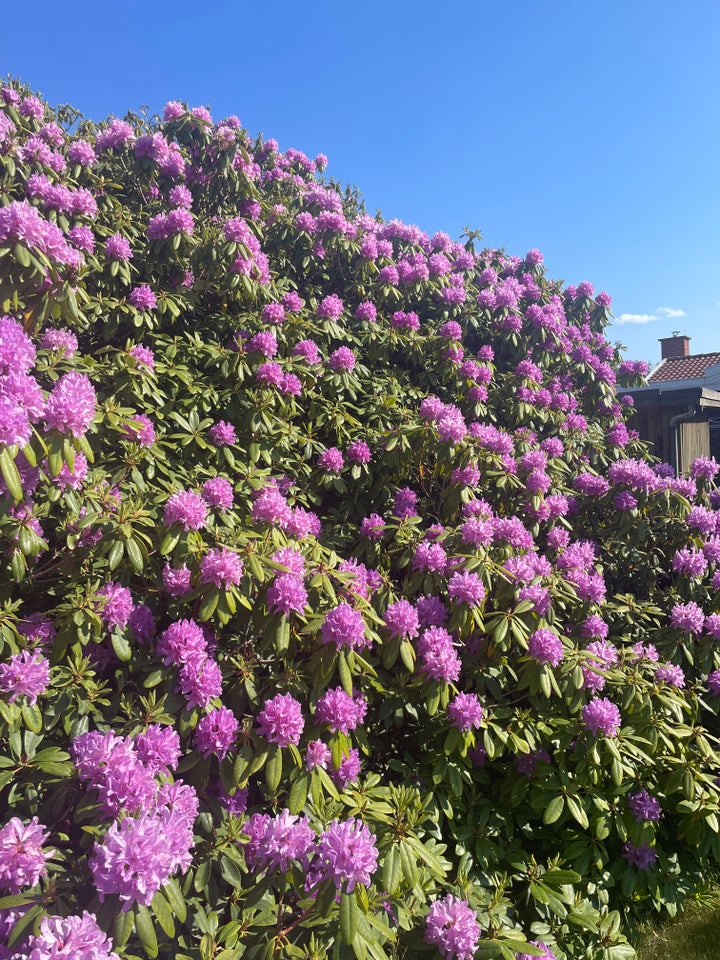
x=684, y=368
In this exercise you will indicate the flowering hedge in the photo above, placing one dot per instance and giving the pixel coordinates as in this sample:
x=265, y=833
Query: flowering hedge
x=341, y=614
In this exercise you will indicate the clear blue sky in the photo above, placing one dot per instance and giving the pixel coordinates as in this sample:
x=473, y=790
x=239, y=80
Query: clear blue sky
x=587, y=128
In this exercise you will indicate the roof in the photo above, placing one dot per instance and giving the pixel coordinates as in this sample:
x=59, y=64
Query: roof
x=684, y=368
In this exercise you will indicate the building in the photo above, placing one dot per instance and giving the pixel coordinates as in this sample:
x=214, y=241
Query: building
x=678, y=411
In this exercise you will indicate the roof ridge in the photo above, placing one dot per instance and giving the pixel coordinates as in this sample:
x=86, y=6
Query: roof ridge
x=695, y=356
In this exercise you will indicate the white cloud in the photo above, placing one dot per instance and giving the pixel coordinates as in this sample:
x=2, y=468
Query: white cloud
x=668, y=312
x=636, y=318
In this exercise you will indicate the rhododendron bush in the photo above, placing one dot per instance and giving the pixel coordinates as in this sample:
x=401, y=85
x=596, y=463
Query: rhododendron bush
x=341, y=613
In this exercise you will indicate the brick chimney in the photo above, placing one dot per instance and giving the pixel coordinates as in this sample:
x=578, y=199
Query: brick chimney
x=674, y=346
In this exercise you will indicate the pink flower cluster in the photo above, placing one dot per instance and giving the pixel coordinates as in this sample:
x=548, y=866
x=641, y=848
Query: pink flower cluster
x=22, y=858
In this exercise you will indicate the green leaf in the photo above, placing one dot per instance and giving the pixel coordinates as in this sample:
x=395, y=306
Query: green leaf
x=135, y=555
x=299, y=793
x=487, y=950
x=51, y=754
x=153, y=679
x=435, y=864
x=21, y=255
x=163, y=914
x=15, y=900
x=392, y=869
x=581, y=920
x=145, y=930
x=121, y=646
x=169, y=542
x=407, y=655
x=171, y=892
x=344, y=672
x=33, y=720
x=116, y=554
x=349, y=917
x=408, y=863
x=577, y=811
x=231, y=871
x=561, y=877
x=11, y=475
x=273, y=770
x=282, y=635
x=122, y=928
x=554, y=809
x=23, y=922
x=209, y=604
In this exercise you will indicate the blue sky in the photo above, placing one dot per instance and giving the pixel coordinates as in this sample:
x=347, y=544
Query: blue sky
x=587, y=128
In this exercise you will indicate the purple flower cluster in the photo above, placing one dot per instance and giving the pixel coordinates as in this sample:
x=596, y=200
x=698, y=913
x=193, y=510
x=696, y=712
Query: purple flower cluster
x=401, y=619
x=23, y=223
x=342, y=360
x=452, y=927
x=186, y=508
x=68, y=938
x=601, y=716
x=62, y=341
x=281, y=720
x=644, y=807
x=545, y=646
x=642, y=857
x=688, y=617
x=438, y=657
x=71, y=405
x=118, y=247
x=216, y=732
x=287, y=595
x=22, y=859
x=603, y=656
x=341, y=712
x=223, y=433
x=117, y=605
x=221, y=567
x=331, y=460
x=346, y=854
x=112, y=766
x=142, y=298
x=344, y=626
x=138, y=855
x=275, y=842
x=26, y=674
x=466, y=588
x=466, y=712
x=218, y=492
x=671, y=674
x=184, y=645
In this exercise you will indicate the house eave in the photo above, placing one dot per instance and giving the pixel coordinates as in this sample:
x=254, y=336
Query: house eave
x=674, y=393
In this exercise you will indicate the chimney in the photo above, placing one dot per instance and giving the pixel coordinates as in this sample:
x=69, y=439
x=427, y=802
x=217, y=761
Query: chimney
x=674, y=346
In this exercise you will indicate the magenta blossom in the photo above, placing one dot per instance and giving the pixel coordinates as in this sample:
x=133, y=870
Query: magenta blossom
x=452, y=927
x=466, y=712
x=346, y=853
x=187, y=509
x=25, y=675
x=22, y=859
x=344, y=626
x=281, y=720
x=601, y=716
x=216, y=732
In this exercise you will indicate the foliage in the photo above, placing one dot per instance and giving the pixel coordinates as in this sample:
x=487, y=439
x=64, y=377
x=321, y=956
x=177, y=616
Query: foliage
x=445, y=636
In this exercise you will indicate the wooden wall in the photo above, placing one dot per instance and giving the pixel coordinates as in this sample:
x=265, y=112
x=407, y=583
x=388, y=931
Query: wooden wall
x=653, y=424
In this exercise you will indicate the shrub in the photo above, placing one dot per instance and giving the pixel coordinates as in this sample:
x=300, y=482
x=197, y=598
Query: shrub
x=341, y=613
